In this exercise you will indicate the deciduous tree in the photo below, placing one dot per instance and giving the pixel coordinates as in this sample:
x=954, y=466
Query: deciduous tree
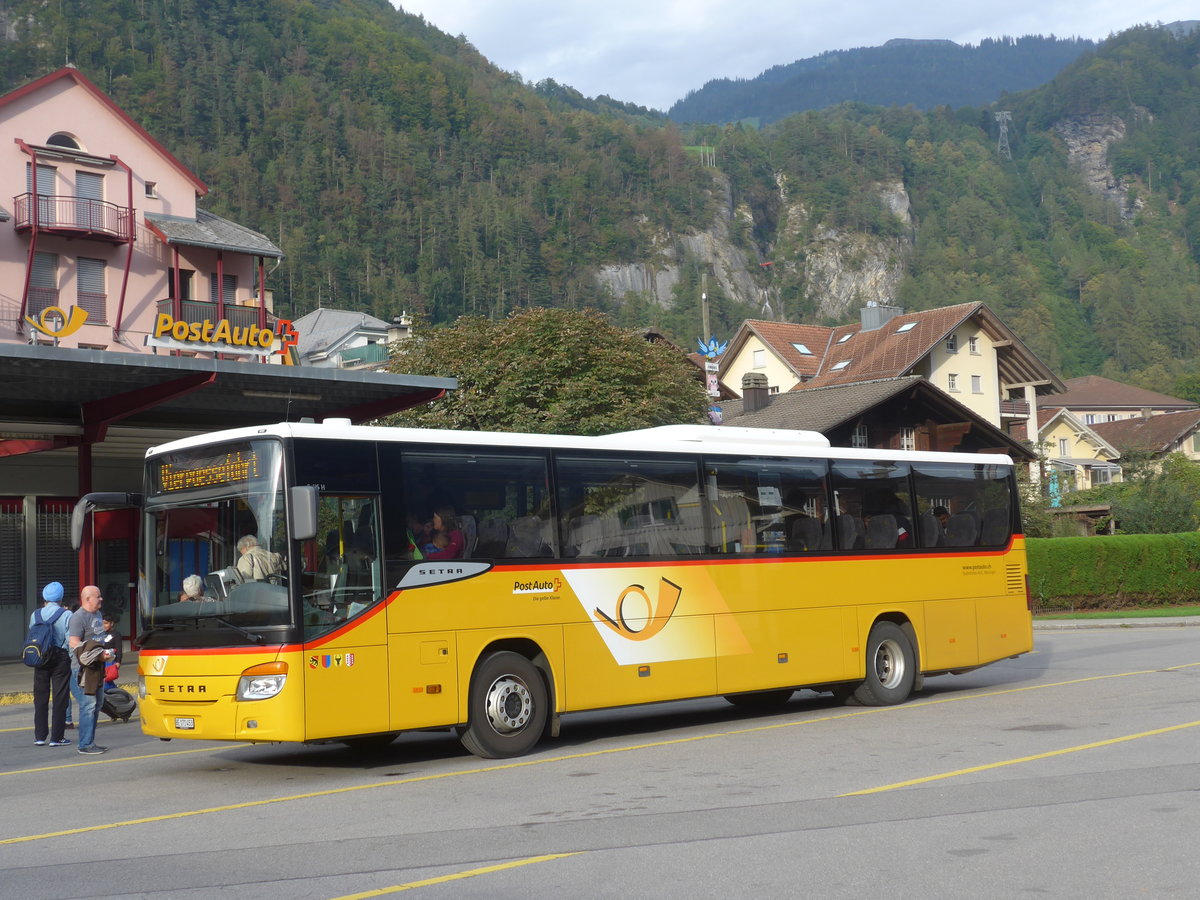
x=556, y=371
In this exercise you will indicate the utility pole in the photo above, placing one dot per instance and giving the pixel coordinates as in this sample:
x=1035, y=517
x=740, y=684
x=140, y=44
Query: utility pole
x=705, y=327
x=1002, y=119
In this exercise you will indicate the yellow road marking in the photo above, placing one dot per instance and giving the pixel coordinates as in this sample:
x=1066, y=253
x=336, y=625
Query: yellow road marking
x=109, y=759
x=1022, y=759
x=470, y=873
x=250, y=804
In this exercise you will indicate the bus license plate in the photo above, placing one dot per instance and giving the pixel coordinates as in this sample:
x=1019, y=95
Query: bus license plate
x=182, y=724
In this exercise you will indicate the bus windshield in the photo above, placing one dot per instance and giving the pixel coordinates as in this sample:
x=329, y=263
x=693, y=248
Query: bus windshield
x=219, y=541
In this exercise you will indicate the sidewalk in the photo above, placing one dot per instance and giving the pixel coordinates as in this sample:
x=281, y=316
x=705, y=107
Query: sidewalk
x=16, y=679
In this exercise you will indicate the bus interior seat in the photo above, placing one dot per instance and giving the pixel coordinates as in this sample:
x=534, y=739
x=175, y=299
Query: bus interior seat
x=526, y=537
x=851, y=533
x=931, y=531
x=583, y=536
x=826, y=535
x=961, y=530
x=805, y=534
x=882, y=532
x=470, y=534
x=995, y=530
x=492, y=537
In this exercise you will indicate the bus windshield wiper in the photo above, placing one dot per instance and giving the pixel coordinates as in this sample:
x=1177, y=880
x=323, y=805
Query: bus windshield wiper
x=252, y=636
x=142, y=635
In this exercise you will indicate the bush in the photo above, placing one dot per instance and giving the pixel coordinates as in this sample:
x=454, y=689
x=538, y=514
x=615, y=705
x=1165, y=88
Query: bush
x=1114, y=572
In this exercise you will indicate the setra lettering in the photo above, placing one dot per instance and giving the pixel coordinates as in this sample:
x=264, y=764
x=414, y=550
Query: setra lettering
x=182, y=689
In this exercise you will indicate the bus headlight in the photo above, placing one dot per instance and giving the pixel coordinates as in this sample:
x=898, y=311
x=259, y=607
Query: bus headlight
x=262, y=682
x=141, y=686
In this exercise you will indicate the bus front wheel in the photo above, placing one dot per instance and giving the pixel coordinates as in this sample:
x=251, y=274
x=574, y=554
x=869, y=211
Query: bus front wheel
x=508, y=707
x=891, y=666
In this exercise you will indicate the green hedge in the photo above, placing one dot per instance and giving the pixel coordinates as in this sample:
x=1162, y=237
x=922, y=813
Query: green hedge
x=1114, y=571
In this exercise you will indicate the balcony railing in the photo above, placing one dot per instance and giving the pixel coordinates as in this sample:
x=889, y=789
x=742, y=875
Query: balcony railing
x=200, y=311
x=1014, y=409
x=75, y=216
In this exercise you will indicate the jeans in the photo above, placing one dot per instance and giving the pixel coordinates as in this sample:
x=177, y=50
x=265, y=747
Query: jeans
x=89, y=712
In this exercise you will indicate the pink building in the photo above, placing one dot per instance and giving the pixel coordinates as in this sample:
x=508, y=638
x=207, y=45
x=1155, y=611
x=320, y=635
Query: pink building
x=105, y=246
x=128, y=317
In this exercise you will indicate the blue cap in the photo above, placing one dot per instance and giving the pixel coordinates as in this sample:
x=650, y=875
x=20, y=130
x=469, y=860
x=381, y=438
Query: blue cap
x=53, y=592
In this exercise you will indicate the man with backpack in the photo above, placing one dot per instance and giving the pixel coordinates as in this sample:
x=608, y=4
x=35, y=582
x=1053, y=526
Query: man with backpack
x=52, y=671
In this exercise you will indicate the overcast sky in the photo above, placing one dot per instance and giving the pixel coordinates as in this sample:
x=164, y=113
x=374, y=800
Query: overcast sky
x=652, y=52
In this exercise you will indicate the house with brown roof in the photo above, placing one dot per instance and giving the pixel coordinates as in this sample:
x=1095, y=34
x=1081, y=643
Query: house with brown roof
x=906, y=413
x=1094, y=400
x=965, y=351
x=1074, y=456
x=1158, y=435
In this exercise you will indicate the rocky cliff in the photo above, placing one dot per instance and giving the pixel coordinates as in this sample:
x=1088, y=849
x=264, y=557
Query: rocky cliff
x=715, y=247
x=839, y=270
x=1087, y=139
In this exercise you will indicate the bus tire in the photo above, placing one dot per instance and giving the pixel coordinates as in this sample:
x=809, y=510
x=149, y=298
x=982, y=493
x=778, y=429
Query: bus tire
x=760, y=699
x=891, y=666
x=507, y=708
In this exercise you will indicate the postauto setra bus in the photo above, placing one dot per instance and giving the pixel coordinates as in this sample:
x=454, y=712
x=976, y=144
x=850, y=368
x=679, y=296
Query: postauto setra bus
x=668, y=563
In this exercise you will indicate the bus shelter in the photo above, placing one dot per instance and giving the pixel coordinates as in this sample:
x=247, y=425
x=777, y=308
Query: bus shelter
x=75, y=420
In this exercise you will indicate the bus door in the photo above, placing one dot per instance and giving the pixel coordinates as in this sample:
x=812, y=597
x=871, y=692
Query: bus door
x=345, y=660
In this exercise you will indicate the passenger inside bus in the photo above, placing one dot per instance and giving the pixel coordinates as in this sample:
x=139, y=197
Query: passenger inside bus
x=446, y=525
x=193, y=589
x=256, y=564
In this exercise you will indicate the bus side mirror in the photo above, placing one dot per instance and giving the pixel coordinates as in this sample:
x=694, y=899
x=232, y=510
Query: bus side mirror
x=304, y=512
x=88, y=503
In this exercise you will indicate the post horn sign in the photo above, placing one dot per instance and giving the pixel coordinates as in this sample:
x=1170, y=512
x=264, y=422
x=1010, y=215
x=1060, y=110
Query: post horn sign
x=56, y=323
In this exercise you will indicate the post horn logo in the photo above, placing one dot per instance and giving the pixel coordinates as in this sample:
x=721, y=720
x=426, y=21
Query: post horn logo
x=55, y=322
x=656, y=612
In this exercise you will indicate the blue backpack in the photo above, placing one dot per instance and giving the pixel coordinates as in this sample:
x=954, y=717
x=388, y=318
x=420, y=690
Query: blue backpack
x=38, y=651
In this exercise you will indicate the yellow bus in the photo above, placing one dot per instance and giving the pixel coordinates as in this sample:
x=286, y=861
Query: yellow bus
x=581, y=573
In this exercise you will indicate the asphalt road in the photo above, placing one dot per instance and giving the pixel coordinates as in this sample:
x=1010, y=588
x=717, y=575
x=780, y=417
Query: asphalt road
x=1073, y=771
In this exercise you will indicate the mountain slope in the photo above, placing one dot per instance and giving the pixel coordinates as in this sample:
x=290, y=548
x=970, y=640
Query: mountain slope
x=1085, y=242
x=394, y=165
x=924, y=74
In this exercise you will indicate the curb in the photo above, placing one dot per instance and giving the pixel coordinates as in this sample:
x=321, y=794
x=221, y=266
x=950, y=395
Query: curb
x=1081, y=624
x=17, y=698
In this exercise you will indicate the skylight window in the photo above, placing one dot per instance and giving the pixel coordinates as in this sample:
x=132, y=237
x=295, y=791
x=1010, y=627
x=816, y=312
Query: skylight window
x=845, y=337
x=801, y=348
x=908, y=326
x=837, y=367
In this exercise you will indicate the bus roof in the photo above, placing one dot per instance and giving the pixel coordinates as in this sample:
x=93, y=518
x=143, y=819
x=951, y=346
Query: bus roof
x=664, y=438
x=722, y=439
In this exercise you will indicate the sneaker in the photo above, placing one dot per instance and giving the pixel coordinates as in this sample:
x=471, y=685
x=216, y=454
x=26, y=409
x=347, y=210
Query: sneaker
x=93, y=748
x=70, y=725
x=61, y=743
x=39, y=743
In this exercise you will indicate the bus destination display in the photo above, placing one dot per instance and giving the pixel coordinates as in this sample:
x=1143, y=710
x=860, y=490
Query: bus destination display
x=235, y=467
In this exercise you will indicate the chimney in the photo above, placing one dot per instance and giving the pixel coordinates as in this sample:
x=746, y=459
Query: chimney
x=875, y=315
x=755, y=392
x=400, y=328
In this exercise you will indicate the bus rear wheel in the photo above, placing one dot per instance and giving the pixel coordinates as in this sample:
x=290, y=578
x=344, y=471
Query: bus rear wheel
x=891, y=666
x=507, y=707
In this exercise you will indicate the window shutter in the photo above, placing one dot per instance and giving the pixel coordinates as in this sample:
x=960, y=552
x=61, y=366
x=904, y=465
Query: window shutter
x=90, y=279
